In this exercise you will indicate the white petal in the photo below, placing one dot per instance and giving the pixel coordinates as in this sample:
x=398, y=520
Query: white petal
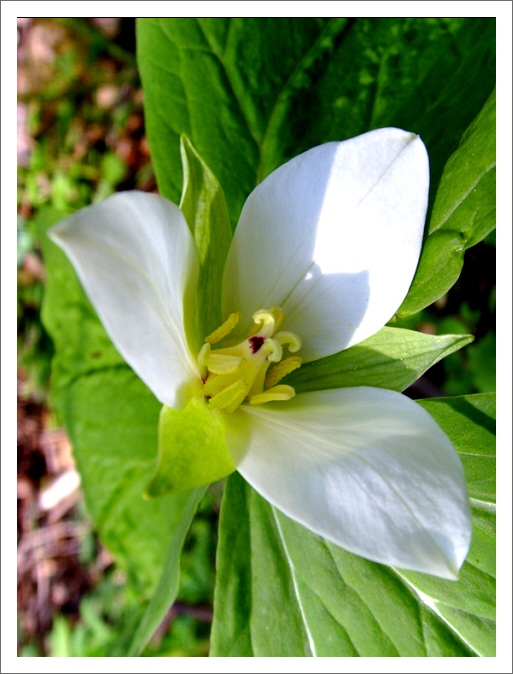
x=366, y=468
x=333, y=237
x=137, y=262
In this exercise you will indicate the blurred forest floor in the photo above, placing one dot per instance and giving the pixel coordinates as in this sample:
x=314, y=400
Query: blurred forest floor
x=80, y=138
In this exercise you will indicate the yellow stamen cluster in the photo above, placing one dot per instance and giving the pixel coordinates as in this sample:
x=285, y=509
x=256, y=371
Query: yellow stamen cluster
x=237, y=373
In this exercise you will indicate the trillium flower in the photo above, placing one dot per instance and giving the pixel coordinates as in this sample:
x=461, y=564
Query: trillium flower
x=323, y=255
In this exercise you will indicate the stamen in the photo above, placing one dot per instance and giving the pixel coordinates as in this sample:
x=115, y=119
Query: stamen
x=282, y=392
x=239, y=372
x=258, y=384
x=233, y=394
x=202, y=360
x=281, y=370
x=220, y=364
x=224, y=329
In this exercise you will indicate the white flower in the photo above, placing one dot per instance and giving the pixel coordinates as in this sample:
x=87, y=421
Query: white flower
x=327, y=246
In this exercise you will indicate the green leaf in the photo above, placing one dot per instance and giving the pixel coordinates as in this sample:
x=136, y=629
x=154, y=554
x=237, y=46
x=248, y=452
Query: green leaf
x=392, y=358
x=282, y=589
x=463, y=212
x=192, y=449
x=482, y=358
x=206, y=213
x=112, y=421
x=254, y=589
x=169, y=581
x=454, y=87
x=469, y=605
x=470, y=423
x=253, y=93
x=187, y=91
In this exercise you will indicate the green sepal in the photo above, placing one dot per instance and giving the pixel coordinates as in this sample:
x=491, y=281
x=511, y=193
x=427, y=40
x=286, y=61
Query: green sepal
x=192, y=449
x=392, y=358
x=204, y=207
x=169, y=582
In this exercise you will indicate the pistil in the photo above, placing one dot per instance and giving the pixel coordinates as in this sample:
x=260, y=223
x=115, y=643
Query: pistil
x=236, y=374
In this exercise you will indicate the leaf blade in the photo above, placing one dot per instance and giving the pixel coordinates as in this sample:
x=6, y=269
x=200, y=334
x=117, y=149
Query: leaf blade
x=463, y=212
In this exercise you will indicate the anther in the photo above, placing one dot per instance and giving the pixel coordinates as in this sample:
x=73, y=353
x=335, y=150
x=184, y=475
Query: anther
x=281, y=370
x=238, y=373
x=224, y=329
x=232, y=395
x=281, y=392
x=221, y=364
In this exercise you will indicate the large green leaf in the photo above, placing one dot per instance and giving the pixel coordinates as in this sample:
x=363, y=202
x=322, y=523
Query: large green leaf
x=445, y=100
x=463, y=212
x=254, y=588
x=310, y=597
x=112, y=420
x=470, y=423
x=392, y=358
x=253, y=93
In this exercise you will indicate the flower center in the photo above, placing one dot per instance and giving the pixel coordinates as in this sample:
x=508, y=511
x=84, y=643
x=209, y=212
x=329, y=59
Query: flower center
x=237, y=373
